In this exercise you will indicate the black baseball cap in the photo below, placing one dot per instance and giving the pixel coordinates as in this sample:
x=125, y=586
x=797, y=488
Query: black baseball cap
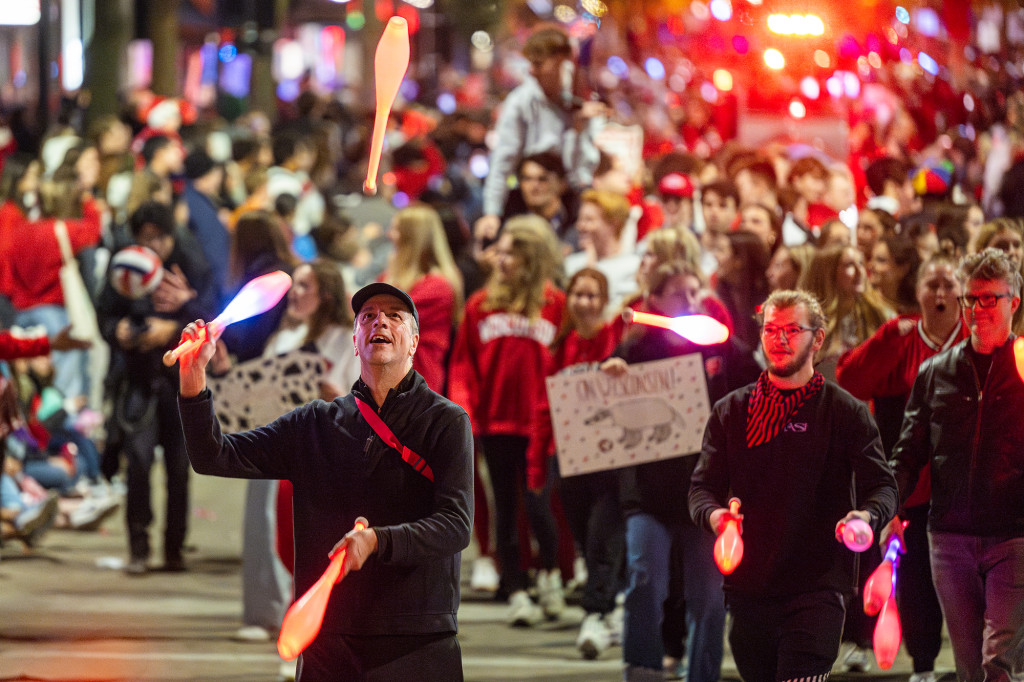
x=378, y=288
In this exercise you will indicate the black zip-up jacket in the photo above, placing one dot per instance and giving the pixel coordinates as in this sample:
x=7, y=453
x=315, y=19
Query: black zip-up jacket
x=826, y=461
x=971, y=429
x=340, y=470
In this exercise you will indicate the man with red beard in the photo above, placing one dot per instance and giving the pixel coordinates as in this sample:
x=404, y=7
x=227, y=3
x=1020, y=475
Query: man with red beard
x=804, y=457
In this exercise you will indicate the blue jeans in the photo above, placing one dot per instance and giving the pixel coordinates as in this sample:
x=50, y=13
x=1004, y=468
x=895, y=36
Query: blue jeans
x=50, y=476
x=87, y=461
x=648, y=549
x=70, y=367
x=10, y=494
x=980, y=583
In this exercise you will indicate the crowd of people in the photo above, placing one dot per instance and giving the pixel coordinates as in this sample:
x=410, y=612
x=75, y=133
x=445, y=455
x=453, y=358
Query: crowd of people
x=524, y=274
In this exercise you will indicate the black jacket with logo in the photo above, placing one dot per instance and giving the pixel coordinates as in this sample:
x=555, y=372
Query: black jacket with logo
x=971, y=429
x=341, y=470
x=826, y=461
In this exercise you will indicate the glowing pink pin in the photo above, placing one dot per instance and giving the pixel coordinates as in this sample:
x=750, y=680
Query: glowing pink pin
x=257, y=296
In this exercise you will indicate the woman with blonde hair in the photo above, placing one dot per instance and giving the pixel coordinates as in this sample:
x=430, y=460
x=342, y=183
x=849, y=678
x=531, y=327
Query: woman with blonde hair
x=788, y=263
x=666, y=245
x=602, y=217
x=838, y=280
x=422, y=265
x=501, y=357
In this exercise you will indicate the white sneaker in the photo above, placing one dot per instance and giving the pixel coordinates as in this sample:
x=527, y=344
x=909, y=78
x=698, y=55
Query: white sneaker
x=923, y=677
x=613, y=620
x=522, y=612
x=485, y=576
x=593, y=637
x=251, y=633
x=579, y=576
x=550, y=593
x=857, y=660
x=92, y=512
x=286, y=671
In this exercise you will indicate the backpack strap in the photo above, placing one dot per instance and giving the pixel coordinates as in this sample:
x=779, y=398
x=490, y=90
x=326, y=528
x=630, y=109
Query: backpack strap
x=386, y=435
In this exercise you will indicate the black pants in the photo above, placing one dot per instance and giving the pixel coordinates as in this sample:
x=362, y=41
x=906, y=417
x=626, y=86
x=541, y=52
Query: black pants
x=386, y=658
x=784, y=638
x=920, y=613
x=591, y=503
x=506, y=462
x=162, y=427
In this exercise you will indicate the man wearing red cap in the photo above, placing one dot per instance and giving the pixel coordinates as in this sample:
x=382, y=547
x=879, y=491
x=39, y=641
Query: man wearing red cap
x=676, y=194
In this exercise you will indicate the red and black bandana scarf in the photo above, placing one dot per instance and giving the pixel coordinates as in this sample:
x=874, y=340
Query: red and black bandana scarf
x=769, y=410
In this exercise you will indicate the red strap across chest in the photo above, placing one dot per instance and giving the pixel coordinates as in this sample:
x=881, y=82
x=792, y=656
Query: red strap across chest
x=386, y=435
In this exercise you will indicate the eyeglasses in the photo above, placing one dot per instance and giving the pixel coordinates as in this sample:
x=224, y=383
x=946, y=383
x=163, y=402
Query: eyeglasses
x=982, y=300
x=787, y=332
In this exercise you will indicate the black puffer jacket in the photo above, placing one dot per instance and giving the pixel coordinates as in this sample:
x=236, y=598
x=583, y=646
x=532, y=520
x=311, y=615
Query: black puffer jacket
x=971, y=429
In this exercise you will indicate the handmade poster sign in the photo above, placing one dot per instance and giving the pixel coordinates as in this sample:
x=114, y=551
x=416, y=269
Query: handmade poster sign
x=657, y=410
x=258, y=391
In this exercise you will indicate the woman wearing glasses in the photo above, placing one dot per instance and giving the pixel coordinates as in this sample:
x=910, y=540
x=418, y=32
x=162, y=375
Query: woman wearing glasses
x=883, y=369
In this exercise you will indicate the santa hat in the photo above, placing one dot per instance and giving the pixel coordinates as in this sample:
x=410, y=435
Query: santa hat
x=164, y=114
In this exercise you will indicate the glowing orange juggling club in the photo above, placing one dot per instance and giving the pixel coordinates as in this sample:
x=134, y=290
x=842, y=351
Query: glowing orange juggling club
x=257, y=296
x=389, y=65
x=729, y=544
x=857, y=535
x=1018, y=355
x=302, y=622
x=887, y=636
x=700, y=329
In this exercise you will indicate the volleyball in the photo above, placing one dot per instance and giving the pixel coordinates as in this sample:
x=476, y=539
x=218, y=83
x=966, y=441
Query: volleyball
x=135, y=271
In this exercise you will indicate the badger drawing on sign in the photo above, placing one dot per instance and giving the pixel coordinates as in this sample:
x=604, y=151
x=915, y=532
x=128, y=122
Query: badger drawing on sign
x=633, y=416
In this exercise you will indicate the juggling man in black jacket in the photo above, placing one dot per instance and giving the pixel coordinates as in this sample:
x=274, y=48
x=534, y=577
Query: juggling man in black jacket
x=964, y=418
x=803, y=456
x=394, y=615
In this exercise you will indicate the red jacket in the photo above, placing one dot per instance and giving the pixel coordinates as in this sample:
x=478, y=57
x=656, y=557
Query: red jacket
x=435, y=302
x=885, y=366
x=11, y=220
x=573, y=350
x=35, y=259
x=499, y=362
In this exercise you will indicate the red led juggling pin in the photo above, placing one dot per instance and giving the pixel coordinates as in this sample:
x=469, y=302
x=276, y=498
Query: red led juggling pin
x=729, y=544
x=258, y=296
x=700, y=329
x=880, y=598
x=882, y=581
x=302, y=622
x=888, y=633
x=389, y=66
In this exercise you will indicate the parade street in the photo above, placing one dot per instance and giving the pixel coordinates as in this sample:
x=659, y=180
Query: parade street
x=69, y=613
